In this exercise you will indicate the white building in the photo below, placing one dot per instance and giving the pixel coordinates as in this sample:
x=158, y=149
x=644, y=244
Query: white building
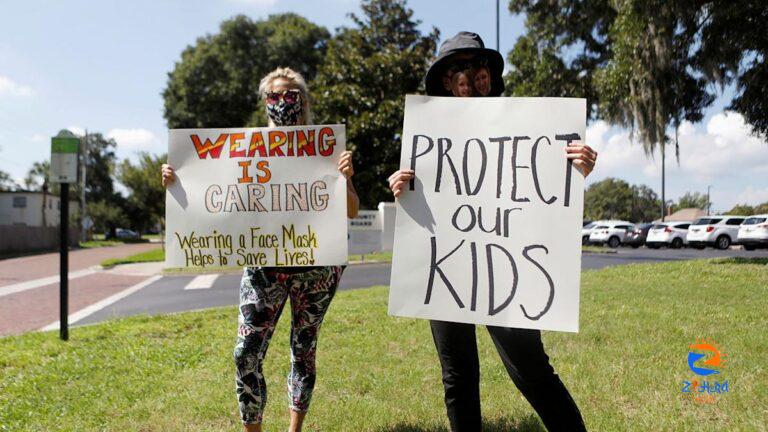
x=26, y=208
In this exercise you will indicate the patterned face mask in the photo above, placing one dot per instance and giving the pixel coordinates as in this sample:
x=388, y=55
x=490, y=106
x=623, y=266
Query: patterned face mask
x=285, y=109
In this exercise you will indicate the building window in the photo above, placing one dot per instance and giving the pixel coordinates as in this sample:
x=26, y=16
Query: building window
x=19, y=202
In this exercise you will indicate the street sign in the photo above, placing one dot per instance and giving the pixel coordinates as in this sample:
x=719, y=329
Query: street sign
x=64, y=150
x=64, y=159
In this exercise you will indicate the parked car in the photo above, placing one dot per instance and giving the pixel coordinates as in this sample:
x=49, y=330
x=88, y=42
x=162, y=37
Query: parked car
x=753, y=232
x=612, y=233
x=637, y=236
x=126, y=234
x=671, y=234
x=586, y=230
x=720, y=231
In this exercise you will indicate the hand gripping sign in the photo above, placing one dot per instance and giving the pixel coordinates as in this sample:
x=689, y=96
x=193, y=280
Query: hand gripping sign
x=489, y=231
x=256, y=197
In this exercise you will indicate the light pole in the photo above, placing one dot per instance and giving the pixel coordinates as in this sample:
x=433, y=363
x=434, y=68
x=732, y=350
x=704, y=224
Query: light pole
x=709, y=202
x=497, y=25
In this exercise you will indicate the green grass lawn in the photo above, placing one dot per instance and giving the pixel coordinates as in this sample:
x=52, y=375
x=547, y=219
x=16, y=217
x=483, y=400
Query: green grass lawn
x=378, y=373
x=147, y=256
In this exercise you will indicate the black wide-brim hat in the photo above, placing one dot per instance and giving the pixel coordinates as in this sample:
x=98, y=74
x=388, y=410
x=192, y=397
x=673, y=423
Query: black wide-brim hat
x=464, y=42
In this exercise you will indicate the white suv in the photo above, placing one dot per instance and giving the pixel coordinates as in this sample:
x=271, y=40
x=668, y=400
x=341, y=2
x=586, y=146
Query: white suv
x=719, y=231
x=670, y=234
x=753, y=232
x=611, y=233
x=587, y=229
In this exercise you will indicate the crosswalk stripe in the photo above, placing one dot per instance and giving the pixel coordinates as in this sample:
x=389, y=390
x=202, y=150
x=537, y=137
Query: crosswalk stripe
x=202, y=282
x=37, y=283
x=90, y=310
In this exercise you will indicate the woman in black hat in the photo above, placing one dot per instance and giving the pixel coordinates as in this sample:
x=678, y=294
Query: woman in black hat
x=521, y=350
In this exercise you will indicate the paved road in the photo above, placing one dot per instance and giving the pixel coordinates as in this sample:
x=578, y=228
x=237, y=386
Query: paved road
x=169, y=295
x=29, y=285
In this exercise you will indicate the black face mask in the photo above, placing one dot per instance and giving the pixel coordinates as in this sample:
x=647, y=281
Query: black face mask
x=284, y=113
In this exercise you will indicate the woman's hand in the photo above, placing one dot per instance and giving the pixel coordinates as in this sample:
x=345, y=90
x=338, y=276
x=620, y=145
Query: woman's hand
x=583, y=157
x=345, y=164
x=168, y=175
x=398, y=180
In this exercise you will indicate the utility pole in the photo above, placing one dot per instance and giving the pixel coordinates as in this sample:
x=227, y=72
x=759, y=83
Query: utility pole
x=497, y=25
x=83, y=159
x=663, y=185
x=709, y=202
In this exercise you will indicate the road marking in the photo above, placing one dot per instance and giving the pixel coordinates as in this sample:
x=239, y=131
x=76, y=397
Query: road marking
x=37, y=283
x=90, y=310
x=202, y=282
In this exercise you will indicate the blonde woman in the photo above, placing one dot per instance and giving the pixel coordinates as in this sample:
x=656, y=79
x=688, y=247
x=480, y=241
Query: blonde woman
x=265, y=290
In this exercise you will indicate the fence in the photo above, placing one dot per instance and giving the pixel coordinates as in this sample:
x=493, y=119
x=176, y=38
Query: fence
x=23, y=238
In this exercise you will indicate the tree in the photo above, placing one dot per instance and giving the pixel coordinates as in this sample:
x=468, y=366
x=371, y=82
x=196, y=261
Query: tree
x=645, y=204
x=565, y=43
x=692, y=200
x=37, y=180
x=215, y=84
x=6, y=182
x=748, y=210
x=616, y=199
x=146, y=201
x=362, y=83
x=734, y=49
x=106, y=217
x=608, y=199
x=100, y=161
x=646, y=63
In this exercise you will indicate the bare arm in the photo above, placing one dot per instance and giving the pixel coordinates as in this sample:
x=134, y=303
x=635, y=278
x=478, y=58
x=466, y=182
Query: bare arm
x=346, y=168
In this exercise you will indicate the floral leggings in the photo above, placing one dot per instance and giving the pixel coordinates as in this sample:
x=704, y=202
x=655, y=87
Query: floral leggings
x=263, y=293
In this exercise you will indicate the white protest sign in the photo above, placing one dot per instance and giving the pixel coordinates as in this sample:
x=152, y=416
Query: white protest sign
x=256, y=197
x=489, y=232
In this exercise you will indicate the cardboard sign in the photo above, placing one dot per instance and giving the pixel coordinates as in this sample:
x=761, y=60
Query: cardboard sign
x=489, y=231
x=256, y=197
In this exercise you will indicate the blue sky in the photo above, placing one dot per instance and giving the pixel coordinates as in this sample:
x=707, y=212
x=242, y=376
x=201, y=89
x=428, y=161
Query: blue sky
x=102, y=66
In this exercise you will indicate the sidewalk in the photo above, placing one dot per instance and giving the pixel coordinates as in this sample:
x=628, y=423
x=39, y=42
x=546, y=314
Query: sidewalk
x=17, y=270
x=29, y=286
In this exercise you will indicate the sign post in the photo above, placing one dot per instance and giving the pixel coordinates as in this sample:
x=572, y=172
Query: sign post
x=64, y=149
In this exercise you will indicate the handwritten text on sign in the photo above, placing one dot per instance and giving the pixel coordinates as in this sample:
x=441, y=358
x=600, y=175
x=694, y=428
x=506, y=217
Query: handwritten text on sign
x=489, y=231
x=256, y=197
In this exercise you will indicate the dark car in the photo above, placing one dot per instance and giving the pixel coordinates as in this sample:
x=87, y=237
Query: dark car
x=636, y=237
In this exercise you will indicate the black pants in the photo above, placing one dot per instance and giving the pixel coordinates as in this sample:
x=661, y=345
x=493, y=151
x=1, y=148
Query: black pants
x=528, y=365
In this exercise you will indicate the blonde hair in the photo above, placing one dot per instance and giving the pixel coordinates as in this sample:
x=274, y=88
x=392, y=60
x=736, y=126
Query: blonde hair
x=294, y=77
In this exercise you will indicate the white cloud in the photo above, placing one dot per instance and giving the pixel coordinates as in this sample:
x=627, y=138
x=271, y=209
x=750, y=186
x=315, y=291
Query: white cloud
x=134, y=139
x=617, y=154
x=77, y=130
x=38, y=138
x=752, y=196
x=724, y=149
x=11, y=88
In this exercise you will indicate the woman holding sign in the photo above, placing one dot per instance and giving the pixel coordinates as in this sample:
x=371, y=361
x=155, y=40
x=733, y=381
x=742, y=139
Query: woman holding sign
x=462, y=59
x=264, y=290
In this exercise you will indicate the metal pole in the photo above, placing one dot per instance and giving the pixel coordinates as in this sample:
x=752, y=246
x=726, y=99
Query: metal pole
x=64, y=263
x=83, y=168
x=663, y=195
x=497, y=25
x=709, y=202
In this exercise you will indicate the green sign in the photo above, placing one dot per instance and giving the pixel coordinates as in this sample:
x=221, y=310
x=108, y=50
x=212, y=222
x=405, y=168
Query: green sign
x=64, y=145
